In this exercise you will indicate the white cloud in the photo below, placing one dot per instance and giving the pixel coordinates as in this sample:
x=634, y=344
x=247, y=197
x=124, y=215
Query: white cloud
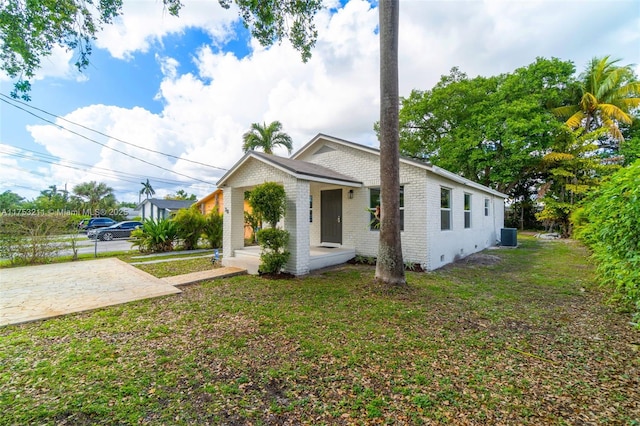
x=145, y=22
x=336, y=92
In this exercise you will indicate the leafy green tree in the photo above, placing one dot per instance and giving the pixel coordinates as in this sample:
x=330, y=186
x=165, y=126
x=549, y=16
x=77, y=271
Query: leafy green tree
x=30, y=29
x=492, y=130
x=266, y=137
x=630, y=147
x=608, y=94
x=96, y=195
x=268, y=202
x=572, y=169
x=54, y=199
x=10, y=200
x=147, y=189
x=181, y=194
x=610, y=228
x=189, y=225
x=212, y=229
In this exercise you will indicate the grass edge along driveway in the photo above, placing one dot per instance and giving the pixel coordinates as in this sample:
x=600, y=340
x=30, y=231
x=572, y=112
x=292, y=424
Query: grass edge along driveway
x=524, y=339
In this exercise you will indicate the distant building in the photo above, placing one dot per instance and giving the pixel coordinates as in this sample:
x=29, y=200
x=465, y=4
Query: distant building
x=157, y=209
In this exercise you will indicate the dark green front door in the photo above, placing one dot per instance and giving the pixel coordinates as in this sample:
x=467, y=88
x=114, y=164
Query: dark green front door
x=331, y=216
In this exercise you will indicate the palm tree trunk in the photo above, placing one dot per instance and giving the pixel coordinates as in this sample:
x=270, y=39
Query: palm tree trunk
x=389, y=266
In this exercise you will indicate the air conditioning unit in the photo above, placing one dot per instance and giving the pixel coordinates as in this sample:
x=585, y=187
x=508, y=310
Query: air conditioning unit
x=509, y=237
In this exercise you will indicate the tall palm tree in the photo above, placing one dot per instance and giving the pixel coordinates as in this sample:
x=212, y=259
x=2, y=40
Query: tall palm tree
x=389, y=264
x=147, y=189
x=266, y=137
x=608, y=95
x=94, y=193
x=51, y=192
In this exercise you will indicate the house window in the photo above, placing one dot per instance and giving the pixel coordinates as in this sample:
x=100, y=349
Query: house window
x=445, y=209
x=467, y=210
x=310, y=208
x=486, y=207
x=374, y=208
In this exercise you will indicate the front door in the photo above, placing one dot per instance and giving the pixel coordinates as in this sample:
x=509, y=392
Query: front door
x=331, y=216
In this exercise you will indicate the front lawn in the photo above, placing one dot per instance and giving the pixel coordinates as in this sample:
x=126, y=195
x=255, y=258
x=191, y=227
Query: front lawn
x=526, y=340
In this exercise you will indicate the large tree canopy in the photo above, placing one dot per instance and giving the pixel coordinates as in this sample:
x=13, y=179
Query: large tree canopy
x=30, y=29
x=491, y=130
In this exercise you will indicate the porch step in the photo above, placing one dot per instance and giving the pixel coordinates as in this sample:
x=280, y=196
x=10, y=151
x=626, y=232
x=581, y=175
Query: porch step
x=322, y=257
x=244, y=259
x=319, y=257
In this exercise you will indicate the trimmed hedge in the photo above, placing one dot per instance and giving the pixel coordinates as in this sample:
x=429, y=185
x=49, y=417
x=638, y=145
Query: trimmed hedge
x=611, y=228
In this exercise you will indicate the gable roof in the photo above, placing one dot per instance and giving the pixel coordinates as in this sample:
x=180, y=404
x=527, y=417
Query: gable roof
x=169, y=204
x=421, y=164
x=297, y=168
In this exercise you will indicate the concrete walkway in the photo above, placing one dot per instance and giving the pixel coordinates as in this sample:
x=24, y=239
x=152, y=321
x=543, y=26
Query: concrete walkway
x=37, y=292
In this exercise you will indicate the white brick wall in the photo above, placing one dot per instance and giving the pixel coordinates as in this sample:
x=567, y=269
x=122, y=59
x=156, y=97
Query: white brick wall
x=446, y=246
x=296, y=221
x=422, y=239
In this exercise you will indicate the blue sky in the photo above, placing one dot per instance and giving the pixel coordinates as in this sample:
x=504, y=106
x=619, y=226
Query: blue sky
x=190, y=86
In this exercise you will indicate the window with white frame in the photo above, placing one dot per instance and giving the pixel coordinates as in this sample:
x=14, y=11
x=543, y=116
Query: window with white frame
x=486, y=207
x=445, y=209
x=467, y=210
x=374, y=208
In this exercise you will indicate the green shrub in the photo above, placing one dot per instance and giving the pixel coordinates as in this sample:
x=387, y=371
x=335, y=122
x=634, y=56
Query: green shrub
x=189, y=226
x=268, y=202
x=274, y=256
x=272, y=262
x=212, y=229
x=610, y=226
x=27, y=240
x=155, y=236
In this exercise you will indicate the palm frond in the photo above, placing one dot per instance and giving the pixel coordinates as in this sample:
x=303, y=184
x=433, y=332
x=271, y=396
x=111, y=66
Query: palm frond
x=614, y=113
x=575, y=120
x=565, y=111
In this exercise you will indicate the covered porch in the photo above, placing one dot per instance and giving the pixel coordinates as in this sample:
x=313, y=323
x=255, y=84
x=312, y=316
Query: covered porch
x=313, y=218
x=319, y=257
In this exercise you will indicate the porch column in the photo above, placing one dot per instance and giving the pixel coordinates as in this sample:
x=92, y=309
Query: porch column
x=233, y=222
x=296, y=221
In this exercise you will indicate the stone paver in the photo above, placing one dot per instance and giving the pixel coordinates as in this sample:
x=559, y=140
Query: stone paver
x=196, y=277
x=36, y=292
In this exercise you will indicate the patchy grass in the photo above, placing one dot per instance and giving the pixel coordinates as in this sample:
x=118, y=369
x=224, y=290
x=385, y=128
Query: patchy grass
x=525, y=340
x=126, y=256
x=176, y=267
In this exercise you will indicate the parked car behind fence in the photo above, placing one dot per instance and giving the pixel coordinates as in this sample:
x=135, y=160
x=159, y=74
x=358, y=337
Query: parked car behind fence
x=118, y=230
x=95, y=223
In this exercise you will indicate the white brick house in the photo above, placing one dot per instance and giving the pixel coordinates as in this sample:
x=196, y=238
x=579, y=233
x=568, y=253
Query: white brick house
x=332, y=188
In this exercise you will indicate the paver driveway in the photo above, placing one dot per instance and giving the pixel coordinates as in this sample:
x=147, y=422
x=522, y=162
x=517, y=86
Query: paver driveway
x=36, y=292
